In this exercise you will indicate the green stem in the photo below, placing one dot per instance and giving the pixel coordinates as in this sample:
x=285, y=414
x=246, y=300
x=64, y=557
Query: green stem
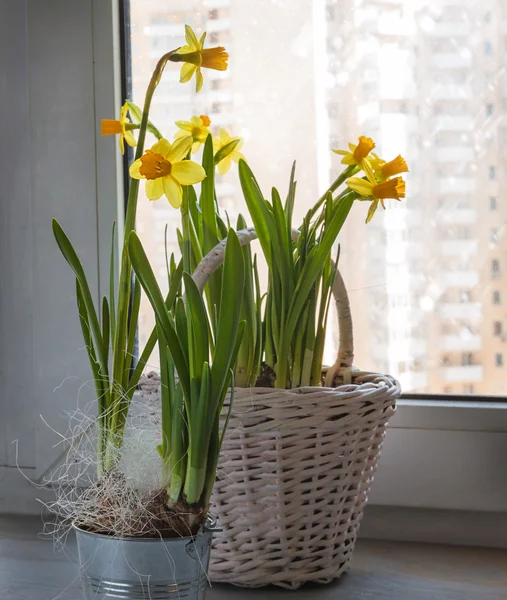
x=349, y=172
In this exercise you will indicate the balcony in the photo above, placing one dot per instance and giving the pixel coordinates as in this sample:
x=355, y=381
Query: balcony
x=449, y=29
x=458, y=247
x=454, y=154
x=457, y=216
x=462, y=279
x=451, y=60
x=465, y=342
x=460, y=310
x=218, y=25
x=456, y=185
x=462, y=374
x=413, y=381
x=454, y=123
x=444, y=91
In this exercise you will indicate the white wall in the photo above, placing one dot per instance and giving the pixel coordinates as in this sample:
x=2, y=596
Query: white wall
x=53, y=59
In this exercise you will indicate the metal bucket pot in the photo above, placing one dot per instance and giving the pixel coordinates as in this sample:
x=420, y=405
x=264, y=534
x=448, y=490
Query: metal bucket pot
x=144, y=569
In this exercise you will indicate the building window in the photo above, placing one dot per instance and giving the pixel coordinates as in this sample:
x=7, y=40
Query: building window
x=492, y=172
x=493, y=235
x=488, y=48
x=467, y=358
x=468, y=388
x=213, y=14
x=493, y=203
x=495, y=268
x=499, y=359
x=497, y=328
x=214, y=37
x=489, y=110
x=496, y=297
x=447, y=389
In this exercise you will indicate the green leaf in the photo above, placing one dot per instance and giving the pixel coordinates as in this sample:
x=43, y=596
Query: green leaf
x=105, y=325
x=147, y=278
x=71, y=257
x=199, y=321
x=229, y=314
x=112, y=262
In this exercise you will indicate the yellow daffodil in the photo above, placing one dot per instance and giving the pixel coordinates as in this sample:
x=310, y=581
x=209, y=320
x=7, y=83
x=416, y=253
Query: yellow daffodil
x=378, y=192
x=384, y=170
x=166, y=171
x=226, y=149
x=196, y=129
x=194, y=57
x=357, y=154
x=123, y=127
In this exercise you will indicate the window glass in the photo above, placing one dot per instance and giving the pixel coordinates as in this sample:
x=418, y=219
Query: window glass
x=426, y=79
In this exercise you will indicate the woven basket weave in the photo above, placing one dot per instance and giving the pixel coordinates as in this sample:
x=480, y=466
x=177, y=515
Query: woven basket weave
x=296, y=467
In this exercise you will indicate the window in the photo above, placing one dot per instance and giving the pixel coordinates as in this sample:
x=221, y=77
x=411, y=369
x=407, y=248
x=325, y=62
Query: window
x=467, y=358
x=468, y=388
x=499, y=359
x=496, y=297
x=497, y=328
x=409, y=263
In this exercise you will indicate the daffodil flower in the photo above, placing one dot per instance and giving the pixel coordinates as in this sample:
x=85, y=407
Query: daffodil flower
x=196, y=129
x=377, y=192
x=357, y=154
x=122, y=126
x=226, y=149
x=166, y=171
x=194, y=57
x=384, y=170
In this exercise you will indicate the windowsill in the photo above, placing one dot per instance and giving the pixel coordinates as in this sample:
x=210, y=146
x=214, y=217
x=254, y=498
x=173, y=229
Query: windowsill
x=380, y=570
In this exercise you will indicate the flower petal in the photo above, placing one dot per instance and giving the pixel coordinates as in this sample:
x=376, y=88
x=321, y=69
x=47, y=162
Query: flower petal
x=224, y=165
x=187, y=172
x=130, y=139
x=191, y=38
x=185, y=125
x=198, y=80
x=360, y=186
x=201, y=41
x=122, y=144
x=172, y=190
x=187, y=71
x=371, y=211
x=224, y=136
x=134, y=171
x=154, y=188
x=163, y=147
x=179, y=149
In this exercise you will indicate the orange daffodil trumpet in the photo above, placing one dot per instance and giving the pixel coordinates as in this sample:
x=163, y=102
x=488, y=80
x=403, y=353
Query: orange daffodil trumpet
x=196, y=129
x=383, y=170
x=121, y=126
x=378, y=192
x=166, y=171
x=226, y=149
x=357, y=154
x=195, y=56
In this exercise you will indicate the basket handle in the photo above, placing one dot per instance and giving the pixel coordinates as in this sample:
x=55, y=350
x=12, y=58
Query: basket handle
x=215, y=257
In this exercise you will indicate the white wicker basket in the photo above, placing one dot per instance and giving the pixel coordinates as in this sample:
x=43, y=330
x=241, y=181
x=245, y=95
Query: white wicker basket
x=296, y=467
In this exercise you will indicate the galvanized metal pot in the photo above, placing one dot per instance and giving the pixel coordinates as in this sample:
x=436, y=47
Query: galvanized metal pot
x=144, y=569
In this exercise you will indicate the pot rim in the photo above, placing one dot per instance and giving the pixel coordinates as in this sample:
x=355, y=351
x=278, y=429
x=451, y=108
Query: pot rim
x=209, y=526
